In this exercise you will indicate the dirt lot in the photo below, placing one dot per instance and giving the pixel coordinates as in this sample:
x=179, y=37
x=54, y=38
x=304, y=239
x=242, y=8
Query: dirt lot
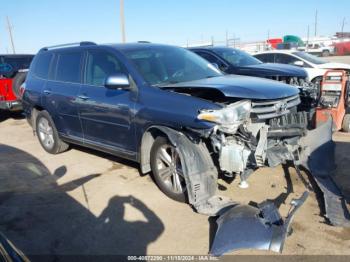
x=86, y=202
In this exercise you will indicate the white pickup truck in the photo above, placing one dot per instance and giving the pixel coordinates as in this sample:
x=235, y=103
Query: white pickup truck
x=318, y=49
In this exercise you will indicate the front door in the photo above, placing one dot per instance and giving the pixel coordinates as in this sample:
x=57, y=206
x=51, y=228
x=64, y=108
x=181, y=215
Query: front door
x=105, y=114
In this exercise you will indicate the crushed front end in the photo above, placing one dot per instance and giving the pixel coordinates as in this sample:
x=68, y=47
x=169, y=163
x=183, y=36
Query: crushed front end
x=253, y=134
x=267, y=133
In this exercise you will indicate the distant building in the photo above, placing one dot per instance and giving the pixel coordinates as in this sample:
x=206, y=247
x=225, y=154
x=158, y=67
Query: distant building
x=342, y=34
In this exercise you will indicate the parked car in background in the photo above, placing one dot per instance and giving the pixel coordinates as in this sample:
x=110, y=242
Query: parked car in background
x=234, y=61
x=315, y=67
x=13, y=71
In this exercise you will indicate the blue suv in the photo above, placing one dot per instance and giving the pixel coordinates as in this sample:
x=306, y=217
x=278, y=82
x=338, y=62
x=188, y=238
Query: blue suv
x=171, y=111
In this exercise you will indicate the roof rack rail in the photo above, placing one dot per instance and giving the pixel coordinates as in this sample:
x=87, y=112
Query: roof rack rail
x=84, y=43
x=143, y=42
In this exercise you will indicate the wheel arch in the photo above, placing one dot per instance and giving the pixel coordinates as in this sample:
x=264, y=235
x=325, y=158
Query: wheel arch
x=198, y=167
x=33, y=115
x=147, y=141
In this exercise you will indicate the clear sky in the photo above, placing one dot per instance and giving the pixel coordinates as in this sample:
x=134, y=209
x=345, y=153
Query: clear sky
x=39, y=23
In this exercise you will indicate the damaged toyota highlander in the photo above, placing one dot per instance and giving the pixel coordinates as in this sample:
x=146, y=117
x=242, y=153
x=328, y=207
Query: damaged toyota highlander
x=181, y=119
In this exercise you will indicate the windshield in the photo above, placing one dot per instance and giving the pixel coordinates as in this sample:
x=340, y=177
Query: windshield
x=310, y=58
x=169, y=65
x=236, y=57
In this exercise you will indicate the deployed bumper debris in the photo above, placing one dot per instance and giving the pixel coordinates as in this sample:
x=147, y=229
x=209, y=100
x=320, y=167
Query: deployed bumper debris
x=319, y=160
x=248, y=227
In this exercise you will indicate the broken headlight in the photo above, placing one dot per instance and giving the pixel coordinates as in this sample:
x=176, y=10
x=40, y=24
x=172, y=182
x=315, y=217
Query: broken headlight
x=230, y=117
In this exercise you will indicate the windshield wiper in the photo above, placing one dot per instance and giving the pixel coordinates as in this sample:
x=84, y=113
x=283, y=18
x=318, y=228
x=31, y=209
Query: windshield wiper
x=166, y=83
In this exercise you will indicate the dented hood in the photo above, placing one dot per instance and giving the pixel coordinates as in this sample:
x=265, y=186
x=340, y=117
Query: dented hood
x=270, y=69
x=240, y=87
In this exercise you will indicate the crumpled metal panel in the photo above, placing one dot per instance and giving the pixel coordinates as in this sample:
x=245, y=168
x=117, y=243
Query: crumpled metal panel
x=198, y=167
x=320, y=161
x=248, y=227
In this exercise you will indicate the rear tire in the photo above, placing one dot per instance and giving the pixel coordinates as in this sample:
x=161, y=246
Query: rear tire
x=48, y=135
x=346, y=123
x=167, y=170
x=18, y=80
x=325, y=53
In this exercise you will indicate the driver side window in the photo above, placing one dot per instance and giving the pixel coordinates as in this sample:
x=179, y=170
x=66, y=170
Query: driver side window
x=100, y=65
x=213, y=60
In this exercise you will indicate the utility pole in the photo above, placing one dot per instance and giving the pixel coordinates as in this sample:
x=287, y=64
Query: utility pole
x=316, y=22
x=122, y=21
x=342, y=28
x=227, y=38
x=308, y=37
x=9, y=28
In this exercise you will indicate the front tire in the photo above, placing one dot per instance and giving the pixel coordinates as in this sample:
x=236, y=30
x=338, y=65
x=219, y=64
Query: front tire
x=48, y=135
x=167, y=170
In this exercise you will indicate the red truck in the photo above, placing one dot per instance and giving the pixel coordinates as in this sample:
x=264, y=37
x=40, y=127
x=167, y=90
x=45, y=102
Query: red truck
x=13, y=71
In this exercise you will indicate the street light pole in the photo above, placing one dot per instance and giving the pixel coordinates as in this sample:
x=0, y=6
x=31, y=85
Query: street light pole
x=122, y=21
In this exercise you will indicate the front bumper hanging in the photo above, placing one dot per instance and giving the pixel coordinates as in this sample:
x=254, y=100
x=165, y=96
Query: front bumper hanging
x=319, y=158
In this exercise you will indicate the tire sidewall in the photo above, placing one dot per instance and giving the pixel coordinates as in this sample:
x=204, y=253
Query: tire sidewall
x=180, y=197
x=18, y=80
x=45, y=114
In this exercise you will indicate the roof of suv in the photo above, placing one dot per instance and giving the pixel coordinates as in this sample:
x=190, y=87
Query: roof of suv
x=127, y=46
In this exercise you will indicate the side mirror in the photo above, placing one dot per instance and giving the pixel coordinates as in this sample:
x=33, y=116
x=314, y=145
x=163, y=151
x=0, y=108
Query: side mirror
x=299, y=63
x=215, y=65
x=117, y=81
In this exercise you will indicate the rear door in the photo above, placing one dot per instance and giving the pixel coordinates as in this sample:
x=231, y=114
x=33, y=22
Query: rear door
x=106, y=114
x=61, y=91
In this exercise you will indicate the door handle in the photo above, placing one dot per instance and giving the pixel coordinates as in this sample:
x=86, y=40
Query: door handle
x=82, y=97
x=47, y=92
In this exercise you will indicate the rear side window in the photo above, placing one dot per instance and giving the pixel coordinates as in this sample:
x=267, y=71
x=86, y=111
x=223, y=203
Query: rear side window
x=69, y=67
x=42, y=65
